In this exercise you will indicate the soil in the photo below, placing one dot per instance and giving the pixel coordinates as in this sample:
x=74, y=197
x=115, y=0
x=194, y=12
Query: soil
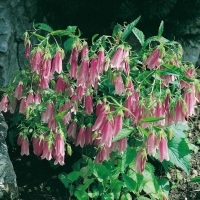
x=38, y=179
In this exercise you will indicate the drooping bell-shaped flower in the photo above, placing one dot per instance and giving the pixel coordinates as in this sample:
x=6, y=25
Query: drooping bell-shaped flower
x=47, y=150
x=48, y=114
x=59, y=159
x=19, y=140
x=44, y=83
x=61, y=85
x=180, y=112
x=107, y=133
x=118, y=121
x=119, y=85
x=88, y=135
x=4, y=104
x=22, y=105
x=27, y=48
x=37, y=98
x=140, y=161
x=24, y=146
x=59, y=145
x=19, y=91
x=72, y=130
x=46, y=66
x=129, y=104
x=151, y=144
x=80, y=91
x=190, y=99
x=57, y=61
x=82, y=78
x=163, y=149
x=93, y=73
x=117, y=58
x=67, y=117
x=36, y=61
x=129, y=84
x=88, y=104
x=119, y=145
x=153, y=61
x=73, y=63
x=160, y=112
x=84, y=51
x=100, y=60
x=37, y=145
x=103, y=154
x=100, y=106
x=80, y=140
x=30, y=98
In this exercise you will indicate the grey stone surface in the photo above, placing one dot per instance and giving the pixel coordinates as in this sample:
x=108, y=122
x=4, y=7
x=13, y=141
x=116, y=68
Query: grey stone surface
x=16, y=16
x=7, y=175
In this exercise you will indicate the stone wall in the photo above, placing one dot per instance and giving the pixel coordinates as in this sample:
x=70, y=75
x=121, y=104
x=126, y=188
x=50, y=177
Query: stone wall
x=16, y=16
x=8, y=185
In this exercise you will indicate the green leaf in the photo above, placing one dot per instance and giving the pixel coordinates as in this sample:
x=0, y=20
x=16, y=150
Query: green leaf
x=129, y=182
x=139, y=35
x=195, y=179
x=60, y=115
x=109, y=196
x=164, y=185
x=38, y=36
x=143, y=198
x=151, y=119
x=86, y=184
x=151, y=39
x=129, y=28
x=116, y=30
x=63, y=178
x=142, y=131
x=128, y=157
x=81, y=195
x=94, y=37
x=71, y=29
x=161, y=28
x=68, y=44
x=44, y=27
x=123, y=133
x=126, y=196
x=179, y=153
x=73, y=176
x=100, y=171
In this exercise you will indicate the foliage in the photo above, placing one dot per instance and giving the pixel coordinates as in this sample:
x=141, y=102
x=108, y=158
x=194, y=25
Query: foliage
x=117, y=104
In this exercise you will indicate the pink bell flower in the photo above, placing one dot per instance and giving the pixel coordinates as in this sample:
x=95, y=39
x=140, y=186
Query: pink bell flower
x=84, y=52
x=4, y=104
x=100, y=61
x=49, y=113
x=153, y=61
x=37, y=145
x=30, y=99
x=61, y=85
x=37, y=98
x=46, y=66
x=47, y=150
x=160, y=112
x=19, y=91
x=27, y=49
x=151, y=144
x=24, y=146
x=36, y=61
x=140, y=161
x=107, y=133
x=80, y=140
x=72, y=130
x=102, y=155
x=22, y=105
x=59, y=145
x=118, y=121
x=80, y=91
x=117, y=58
x=119, y=85
x=93, y=73
x=88, y=104
x=57, y=62
x=163, y=149
x=73, y=63
x=179, y=112
x=82, y=78
x=59, y=159
x=100, y=107
x=88, y=135
x=44, y=83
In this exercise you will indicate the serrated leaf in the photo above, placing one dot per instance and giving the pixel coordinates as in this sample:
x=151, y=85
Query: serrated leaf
x=143, y=198
x=44, y=27
x=151, y=119
x=116, y=30
x=195, y=179
x=129, y=182
x=139, y=35
x=68, y=44
x=142, y=131
x=71, y=29
x=179, y=129
x=129, y=28
x=128, y=157
x=81, y=195
x=179, y=153
x=161, y=28
x=123, y=133
x=63, y=178
x=109, y=196
x=73, y=176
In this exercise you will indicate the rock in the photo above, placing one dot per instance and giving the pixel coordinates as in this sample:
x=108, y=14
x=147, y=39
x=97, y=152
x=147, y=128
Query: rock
x=7, y=175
